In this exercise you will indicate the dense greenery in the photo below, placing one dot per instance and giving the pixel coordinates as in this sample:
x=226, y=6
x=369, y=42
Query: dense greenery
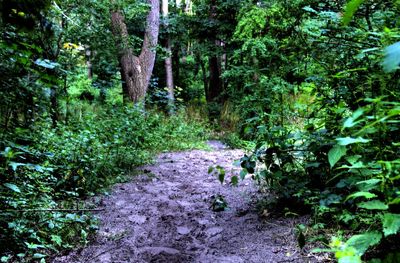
x=325, y=116
x=310, y=88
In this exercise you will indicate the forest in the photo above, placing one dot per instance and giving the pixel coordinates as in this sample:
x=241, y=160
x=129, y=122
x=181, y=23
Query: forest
x=307, y=90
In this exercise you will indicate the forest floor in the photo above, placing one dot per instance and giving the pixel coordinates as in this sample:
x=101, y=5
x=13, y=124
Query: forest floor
x=165, y=215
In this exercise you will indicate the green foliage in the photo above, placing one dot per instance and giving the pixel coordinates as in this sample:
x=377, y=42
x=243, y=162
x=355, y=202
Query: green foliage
x=391, y=223
x=324, y=116
x=64, y=164
x=311, y=87
x=218, y=203
x=336, y=153
x=392, y=59
x=251, y=23
x=350, y=9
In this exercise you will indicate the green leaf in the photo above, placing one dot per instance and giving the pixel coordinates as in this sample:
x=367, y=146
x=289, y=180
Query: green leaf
x=353, y=159
x=394, y=201
x=362, y=242
x=348, y=140
x=234, y=180
x=368, y=185
x=335, y=154
x=12, y=187
x=56, y=239
x=309, y=9
x=350, y=9
x=221, y=174
x=392, y=58
x=39, y=256
x=348, y=259
x=33, y=246
x=5, y=258
x=210, y=169
x=373, y=205
x=357, y=165
x=351, y=121
x=367, y=195
x=391, y=223
x=46, y=63
x=15, y=165
x=243, y=173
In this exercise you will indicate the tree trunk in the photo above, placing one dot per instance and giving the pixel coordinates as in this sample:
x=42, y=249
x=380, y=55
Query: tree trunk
x=188, y=7
x=176, y=65
x=204, y=75
x=54, y=106
x=88, y=55
x=168, y=61
x=169, y=76
x=214, y=86
x=136, y=71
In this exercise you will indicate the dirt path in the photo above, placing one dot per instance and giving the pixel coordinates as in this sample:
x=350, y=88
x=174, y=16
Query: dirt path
x=164, y=215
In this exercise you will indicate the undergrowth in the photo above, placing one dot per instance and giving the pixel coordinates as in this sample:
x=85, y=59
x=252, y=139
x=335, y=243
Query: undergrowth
x=47, y=172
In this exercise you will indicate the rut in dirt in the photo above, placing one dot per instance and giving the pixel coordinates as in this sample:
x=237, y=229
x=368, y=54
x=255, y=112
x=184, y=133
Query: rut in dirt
x=164, y=215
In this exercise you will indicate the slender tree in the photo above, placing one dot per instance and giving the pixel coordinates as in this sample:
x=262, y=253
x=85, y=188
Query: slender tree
x=168, y=59
x=136, y=70
x=214, y=87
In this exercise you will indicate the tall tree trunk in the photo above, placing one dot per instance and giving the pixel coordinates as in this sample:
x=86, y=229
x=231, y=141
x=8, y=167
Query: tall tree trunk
x=176, y=64
x=88, y=56
x=188, y=7
x=168, y=61
x=54, y=106
x=214, y=86
x=204, y=75
x=136, y=70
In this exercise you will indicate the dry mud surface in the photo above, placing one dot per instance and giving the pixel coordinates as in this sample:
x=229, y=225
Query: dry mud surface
x=164, y=215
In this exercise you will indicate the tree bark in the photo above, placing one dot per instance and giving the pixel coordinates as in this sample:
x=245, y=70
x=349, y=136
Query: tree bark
x=214, y=87
x=136, y=70
x=204, y=75
x=168, y=61
x=88, y=55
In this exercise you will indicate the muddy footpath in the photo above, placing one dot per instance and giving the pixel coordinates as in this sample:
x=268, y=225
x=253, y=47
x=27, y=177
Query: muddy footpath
x=165, y=215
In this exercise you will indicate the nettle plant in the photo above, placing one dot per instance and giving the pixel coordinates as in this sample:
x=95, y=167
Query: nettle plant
x=367, y=159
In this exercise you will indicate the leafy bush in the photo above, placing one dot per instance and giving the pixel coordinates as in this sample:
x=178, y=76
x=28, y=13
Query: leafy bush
x=42, y=183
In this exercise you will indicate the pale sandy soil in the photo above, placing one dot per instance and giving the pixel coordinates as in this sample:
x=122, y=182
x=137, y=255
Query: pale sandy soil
x=165, y=215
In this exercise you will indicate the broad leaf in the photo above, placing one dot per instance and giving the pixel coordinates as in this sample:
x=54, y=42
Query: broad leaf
x=367, y=195
x=335, y=154
x=309, y=9
x=243, y=173
x=234, y=180
x=46, y=63
x=351, y=121
x=56, y=239
x=362, y=242
x=38, y=256
x=350, y=9
x=392, y=58
x=353, y=159
x=15, y=165
x=12, y=187
x=221, y=174
x=348, y=140
x=391, y=223
x=368, y=185
x=373, y=205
